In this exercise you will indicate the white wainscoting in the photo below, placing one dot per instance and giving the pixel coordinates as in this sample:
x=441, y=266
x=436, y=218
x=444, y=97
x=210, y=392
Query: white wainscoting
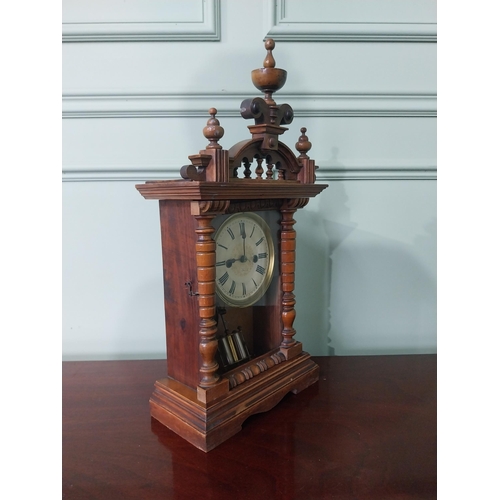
x=134, y=105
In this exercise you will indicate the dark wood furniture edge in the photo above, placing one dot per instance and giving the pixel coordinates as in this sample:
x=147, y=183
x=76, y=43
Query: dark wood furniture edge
x=238, y=189
x=207, y=426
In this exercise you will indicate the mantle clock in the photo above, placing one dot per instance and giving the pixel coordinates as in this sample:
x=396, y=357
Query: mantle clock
x=228, y=247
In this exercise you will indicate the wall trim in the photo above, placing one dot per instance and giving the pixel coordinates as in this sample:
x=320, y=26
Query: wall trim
x=208, y=30
x=377, y=173
x=92, y=173
x=228, y=104
x=286, y=31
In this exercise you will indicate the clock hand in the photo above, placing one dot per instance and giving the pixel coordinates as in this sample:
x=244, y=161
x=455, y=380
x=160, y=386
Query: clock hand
x=243, y=236
x=230, y=262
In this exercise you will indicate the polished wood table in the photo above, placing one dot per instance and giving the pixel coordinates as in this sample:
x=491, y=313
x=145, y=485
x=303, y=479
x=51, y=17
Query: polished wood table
x=367, y=430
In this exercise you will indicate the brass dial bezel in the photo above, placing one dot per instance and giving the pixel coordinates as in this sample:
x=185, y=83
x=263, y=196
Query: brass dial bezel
x=266, y=282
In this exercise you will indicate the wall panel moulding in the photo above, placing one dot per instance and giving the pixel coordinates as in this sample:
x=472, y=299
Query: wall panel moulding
x=352, y=21
x=165, y=20
x=105, y=173
x=196, y=105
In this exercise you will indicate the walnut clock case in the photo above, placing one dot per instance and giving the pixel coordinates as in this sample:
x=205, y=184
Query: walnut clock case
x=228, y=245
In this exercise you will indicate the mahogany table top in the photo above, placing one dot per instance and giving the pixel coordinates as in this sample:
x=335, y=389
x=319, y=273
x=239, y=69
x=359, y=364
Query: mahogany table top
x=366, y=430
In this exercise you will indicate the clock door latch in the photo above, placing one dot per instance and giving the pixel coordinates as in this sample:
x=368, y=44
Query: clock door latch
x=189, y=285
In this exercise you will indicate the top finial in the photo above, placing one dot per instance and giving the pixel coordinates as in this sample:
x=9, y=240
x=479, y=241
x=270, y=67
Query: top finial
x=269, y=61
x=269, y=79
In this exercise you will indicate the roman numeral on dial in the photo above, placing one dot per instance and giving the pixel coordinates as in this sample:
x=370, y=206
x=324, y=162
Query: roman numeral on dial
x=223, y=278
x=260, y=270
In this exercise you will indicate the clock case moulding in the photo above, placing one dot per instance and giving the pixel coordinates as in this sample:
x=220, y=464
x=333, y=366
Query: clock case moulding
x=197, y=399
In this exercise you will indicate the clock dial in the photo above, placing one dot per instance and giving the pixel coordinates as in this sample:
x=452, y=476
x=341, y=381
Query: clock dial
x=244, y=259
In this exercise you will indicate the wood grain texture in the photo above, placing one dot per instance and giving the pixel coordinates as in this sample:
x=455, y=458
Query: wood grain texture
x=366, y=431
x=182, y=319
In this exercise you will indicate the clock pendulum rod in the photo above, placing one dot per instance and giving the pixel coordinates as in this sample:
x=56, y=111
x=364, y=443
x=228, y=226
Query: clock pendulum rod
x=232, y=346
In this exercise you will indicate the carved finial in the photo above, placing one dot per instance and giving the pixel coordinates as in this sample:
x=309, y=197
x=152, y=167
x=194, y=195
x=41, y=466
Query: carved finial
x=269, y=79
x=269, y=61
x=213, y=131
x=303, y=146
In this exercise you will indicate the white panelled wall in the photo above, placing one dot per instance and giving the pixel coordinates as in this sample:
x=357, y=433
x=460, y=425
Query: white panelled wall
x=138, y=79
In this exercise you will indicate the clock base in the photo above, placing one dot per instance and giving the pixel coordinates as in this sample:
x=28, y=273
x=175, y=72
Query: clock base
x=207, y=425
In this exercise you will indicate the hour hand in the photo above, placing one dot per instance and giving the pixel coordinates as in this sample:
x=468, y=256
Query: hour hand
x=230, y=262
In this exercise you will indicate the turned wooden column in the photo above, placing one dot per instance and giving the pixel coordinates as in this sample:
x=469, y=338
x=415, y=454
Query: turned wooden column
x=287, y=241
x=205, y=262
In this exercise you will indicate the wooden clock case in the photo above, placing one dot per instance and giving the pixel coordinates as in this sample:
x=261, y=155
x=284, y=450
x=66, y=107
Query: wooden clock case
x=198, y=399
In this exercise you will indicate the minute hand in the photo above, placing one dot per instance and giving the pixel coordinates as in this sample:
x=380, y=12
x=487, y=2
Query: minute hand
x=243, y=236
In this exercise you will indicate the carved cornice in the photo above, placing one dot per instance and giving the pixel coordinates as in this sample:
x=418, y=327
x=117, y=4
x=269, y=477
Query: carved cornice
x=239, y=189
x=295, y=203
x=254, y=205
x=205, y=207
